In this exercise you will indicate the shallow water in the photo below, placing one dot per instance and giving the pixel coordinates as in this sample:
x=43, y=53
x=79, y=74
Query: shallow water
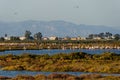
x=15, y=73
x=55, y=51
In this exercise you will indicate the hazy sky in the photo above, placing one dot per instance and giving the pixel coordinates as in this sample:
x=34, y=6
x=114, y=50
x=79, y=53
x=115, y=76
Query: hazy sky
x=91, y=12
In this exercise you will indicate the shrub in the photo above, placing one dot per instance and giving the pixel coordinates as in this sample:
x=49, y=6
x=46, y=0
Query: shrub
x=40, y=77
x=23, y=77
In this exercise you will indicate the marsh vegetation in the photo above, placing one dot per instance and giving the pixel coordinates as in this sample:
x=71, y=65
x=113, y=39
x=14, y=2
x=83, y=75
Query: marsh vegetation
x=102, y=63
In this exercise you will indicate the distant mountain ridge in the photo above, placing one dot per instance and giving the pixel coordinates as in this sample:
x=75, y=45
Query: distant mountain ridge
x=52, y=28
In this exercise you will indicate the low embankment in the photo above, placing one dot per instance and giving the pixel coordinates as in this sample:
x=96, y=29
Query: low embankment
x=57, y=44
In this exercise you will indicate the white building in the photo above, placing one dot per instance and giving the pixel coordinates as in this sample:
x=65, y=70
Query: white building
x=22, y=38
x=53, y=38
x=7, y=38
x=82, y=38
x=74, y=38
x=45, y=38
x=97, y=38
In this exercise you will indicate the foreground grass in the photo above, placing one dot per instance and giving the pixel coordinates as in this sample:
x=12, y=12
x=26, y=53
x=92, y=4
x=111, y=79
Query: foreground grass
x=55, y=76
x=82, y=62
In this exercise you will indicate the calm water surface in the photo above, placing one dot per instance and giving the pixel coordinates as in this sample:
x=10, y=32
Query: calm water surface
x=15, y=73
x=55, y=51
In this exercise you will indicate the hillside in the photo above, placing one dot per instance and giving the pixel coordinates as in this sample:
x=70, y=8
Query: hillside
x=52, y=28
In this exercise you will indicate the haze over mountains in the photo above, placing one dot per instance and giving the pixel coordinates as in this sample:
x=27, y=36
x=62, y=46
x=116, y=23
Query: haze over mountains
x=53, y=28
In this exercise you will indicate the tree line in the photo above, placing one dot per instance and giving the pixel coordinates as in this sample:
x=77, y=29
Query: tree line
x=27, y=36
x=38, y=36
x=106, y=35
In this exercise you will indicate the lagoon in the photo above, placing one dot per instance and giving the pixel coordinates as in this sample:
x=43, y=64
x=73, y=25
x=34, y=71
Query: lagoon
x=33, y=73
x=55, y=51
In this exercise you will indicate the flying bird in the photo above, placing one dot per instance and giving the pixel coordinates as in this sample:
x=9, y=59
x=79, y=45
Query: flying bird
x=77, y=6
x=15, y=13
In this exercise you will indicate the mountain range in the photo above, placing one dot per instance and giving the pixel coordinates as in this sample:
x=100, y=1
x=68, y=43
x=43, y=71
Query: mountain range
x=53, y=28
